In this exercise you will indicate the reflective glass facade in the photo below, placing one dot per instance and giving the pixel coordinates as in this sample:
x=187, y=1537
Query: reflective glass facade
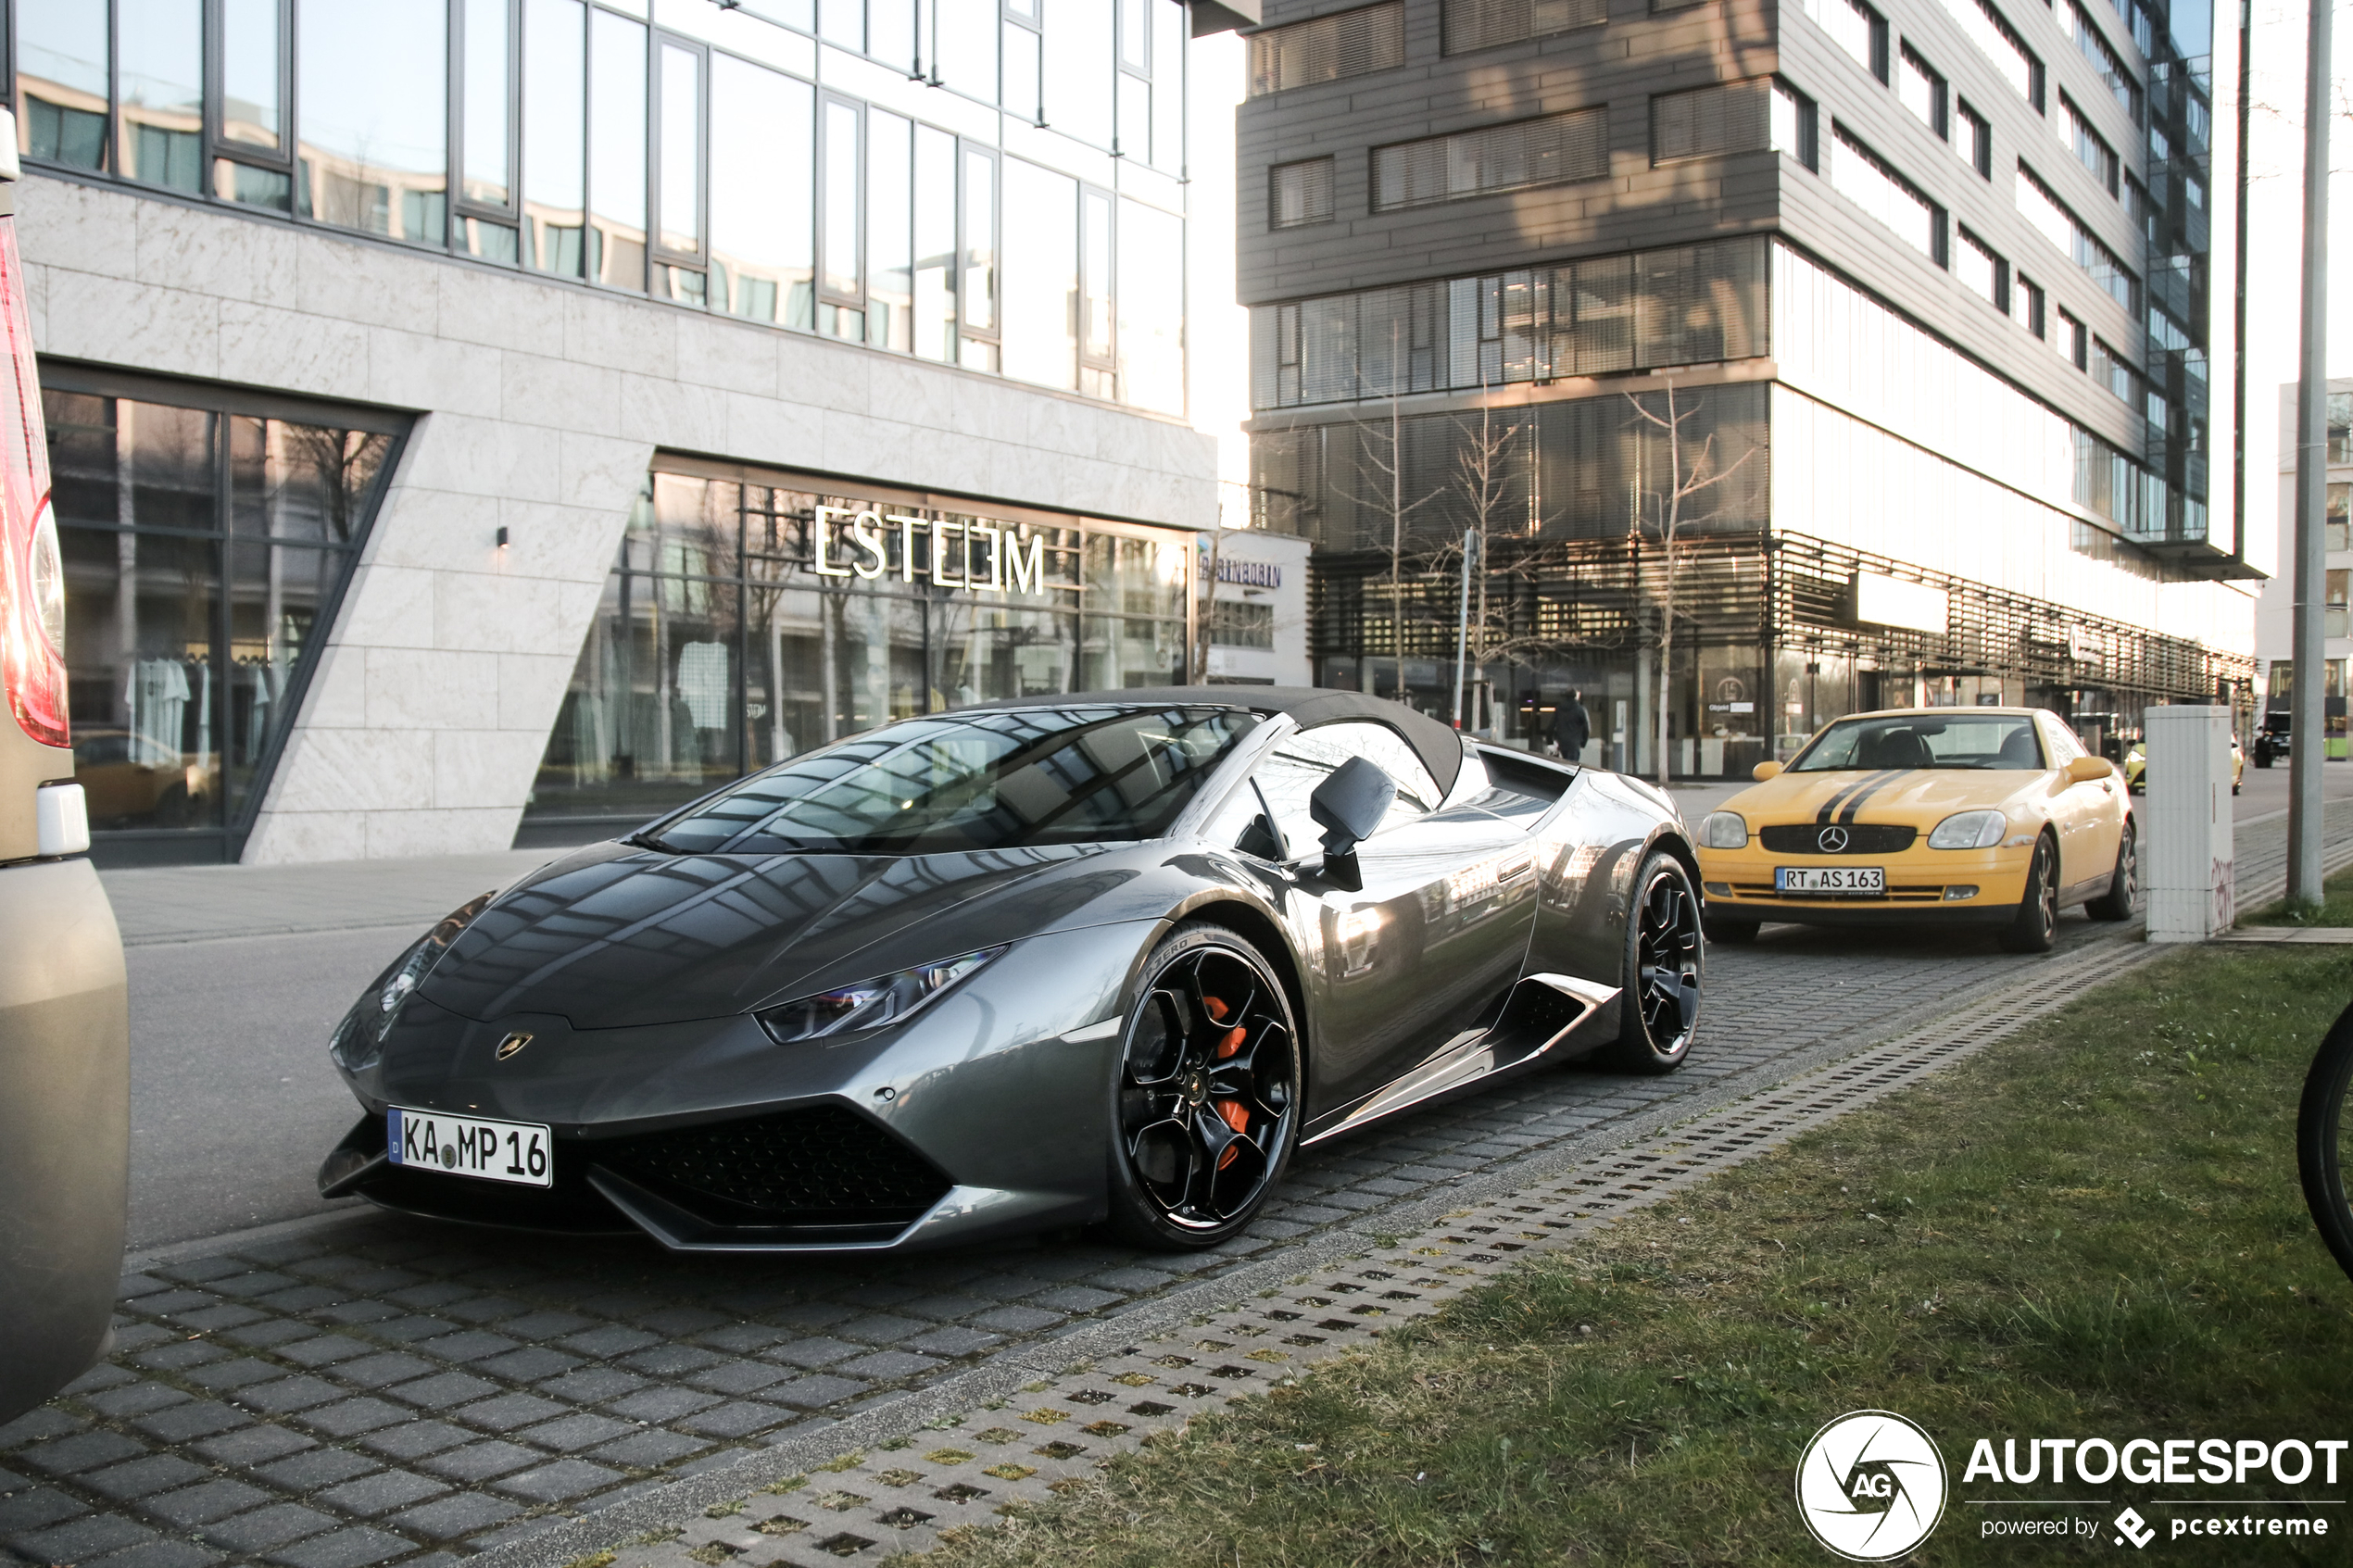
x=753, y=615
x=206, y=539
x=729, y=159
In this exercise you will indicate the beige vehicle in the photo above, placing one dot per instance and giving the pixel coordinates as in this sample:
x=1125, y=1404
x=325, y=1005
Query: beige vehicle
x=64, y=1039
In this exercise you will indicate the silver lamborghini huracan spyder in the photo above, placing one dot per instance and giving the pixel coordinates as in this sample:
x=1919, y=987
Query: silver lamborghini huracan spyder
x=1096, y=958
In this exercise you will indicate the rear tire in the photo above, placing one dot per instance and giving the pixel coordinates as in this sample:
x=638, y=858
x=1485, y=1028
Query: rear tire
x=2125, y=884
x=1199, y=1138
x=1658, y=1008
x=2036, y=928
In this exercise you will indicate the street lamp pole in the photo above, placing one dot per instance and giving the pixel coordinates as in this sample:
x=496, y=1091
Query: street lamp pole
x=2307, y=723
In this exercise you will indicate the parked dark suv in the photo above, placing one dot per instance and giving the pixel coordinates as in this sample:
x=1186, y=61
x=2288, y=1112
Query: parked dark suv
x=65, y=1045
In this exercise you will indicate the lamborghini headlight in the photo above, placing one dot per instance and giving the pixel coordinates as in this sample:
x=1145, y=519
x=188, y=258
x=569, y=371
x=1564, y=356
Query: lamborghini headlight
x=1723, y=830
x=361, y=1034
x=1969, y=830
x=869, y=1004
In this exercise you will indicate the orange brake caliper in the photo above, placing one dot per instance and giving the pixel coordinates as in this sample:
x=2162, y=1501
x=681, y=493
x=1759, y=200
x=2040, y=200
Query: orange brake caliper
x=1231, y=1109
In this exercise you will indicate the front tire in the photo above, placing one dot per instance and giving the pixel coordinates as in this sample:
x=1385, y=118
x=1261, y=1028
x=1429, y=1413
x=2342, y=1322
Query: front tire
x=1658, y=1010
x=2318, y=1129
x=1206, y=1101
x=2036, y=928
x=2117, y=902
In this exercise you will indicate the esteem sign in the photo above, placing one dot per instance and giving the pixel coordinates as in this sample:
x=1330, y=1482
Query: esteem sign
x=980, y=556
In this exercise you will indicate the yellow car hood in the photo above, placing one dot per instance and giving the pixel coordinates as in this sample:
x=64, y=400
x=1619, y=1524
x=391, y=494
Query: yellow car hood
x=1921, y=796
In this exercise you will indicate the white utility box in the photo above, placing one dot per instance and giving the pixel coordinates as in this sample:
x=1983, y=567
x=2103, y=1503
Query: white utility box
x=2185, y=829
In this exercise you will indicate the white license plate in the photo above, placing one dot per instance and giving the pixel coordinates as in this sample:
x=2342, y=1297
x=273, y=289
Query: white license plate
x=1863, y=881
x=470, y=1145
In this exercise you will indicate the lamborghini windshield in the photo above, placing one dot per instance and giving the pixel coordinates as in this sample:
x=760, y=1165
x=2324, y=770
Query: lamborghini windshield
x=1922, y=740
x=980, y=781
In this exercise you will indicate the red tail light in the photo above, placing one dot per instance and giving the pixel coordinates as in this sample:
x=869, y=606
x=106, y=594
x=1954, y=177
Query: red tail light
x=32, y=584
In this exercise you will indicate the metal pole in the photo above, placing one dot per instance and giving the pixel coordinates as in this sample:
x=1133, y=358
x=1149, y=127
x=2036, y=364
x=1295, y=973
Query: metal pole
x=1462, y=620
x=2308, y=742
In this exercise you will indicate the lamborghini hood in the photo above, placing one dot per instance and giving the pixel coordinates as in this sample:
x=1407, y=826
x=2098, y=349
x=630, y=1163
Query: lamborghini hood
x=1921, y=796
x=615, y=937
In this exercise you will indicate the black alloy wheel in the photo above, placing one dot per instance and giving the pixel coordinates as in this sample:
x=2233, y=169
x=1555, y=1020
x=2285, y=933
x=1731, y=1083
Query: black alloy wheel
x=2318, y=1126
x=1206, y=1104
x=2036, y=928
x=2124, y=886
x=1658, y=1011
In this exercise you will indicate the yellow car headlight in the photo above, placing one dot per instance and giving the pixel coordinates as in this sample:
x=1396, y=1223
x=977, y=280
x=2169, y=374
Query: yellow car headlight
x=1724, y=830
x=1969, y=830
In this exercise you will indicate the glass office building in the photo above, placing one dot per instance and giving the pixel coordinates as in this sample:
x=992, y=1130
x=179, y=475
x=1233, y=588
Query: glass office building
x=380, y=331
x=1875, y=372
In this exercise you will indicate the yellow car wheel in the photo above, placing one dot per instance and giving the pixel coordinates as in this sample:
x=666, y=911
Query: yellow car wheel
x=2123, y=886
x=2036, y=928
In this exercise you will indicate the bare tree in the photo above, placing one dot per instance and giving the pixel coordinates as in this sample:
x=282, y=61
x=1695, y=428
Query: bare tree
x=1382, y=443
x=1671, y=514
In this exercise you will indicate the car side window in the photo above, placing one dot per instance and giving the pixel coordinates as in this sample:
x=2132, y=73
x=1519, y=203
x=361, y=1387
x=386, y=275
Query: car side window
x=2062, y=743
x=1298, y=764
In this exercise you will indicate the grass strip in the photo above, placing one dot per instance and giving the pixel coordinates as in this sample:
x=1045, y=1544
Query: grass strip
x=2091, y=1229
x=2335, y=910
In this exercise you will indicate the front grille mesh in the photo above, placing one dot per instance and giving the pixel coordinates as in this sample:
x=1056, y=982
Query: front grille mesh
x=1862, y=839
x=820, y=1165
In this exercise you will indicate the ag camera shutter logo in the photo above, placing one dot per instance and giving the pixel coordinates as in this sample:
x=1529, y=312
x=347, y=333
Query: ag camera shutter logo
x=1871, y=1486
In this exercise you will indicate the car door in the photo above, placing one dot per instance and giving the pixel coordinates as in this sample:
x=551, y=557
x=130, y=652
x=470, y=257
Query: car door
x=1433, y=940
x=2087, y=815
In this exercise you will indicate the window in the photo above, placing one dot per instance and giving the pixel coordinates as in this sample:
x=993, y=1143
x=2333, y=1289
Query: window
x=2340, y=427
x=2340, y=517
x=1922, y=90
x=1078, y=73
x=935, y=247
x=1150, y=305
x=963, y=49
x=486, y=101
x=1097, y=366
x=2340, y=588
x=763, y=157
x=1553, y=150
x=211, y=542
x=1237, y=624
x=65, y=72
x=2106, y=64
x=2000, y=43
x=1481, y=24
x=1976, y=142
x=1040, y=245
x=1858, y=29
x=2113, y=371
x=2080, y=244
x=1980, y=270
x=2071, y=339
x=1300, y=762
x=976, y=241
x=2026, y=304
x=372, y=80
x=1327, y=48
x=1300, y=194
x=1735, y=116
x=1794, y=125
x=160, y=85
x=841, y=295
x=890, y=241
x=1857, y=173
x=2091, y=149
x=555, y=179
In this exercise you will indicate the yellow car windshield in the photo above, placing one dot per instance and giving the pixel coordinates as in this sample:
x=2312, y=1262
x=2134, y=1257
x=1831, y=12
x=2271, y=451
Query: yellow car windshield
x=1919, y=740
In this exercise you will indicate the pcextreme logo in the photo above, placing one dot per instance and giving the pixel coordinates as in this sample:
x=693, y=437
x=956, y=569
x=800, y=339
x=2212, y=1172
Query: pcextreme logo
x=1871, y=1486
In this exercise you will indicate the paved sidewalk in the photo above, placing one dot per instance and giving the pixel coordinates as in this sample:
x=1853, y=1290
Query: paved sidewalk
x=192, y=903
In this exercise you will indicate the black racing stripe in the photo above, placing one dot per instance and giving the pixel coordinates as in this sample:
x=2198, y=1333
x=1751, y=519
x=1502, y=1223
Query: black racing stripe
x=1822, y=818
x=1871, y=786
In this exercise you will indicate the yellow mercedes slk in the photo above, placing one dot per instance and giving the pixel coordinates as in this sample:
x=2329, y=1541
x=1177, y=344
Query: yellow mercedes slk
x=1993, y=817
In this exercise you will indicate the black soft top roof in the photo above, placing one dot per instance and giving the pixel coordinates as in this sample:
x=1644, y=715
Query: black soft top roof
x=1438, y=746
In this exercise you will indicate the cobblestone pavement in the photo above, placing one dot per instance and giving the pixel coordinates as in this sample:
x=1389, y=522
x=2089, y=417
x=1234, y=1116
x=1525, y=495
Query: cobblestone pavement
x=377, y=1389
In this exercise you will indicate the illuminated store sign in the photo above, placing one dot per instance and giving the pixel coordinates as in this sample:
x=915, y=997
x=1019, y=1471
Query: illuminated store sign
x=868, y=542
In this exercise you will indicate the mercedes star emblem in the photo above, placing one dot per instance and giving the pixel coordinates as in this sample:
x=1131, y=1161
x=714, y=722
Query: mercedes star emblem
x=511, y=1043
x=1832, y=841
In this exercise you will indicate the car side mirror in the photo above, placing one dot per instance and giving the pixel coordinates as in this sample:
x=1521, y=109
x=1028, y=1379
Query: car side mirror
x=1348, y=807
x=1764, y=770
x=2084, y=770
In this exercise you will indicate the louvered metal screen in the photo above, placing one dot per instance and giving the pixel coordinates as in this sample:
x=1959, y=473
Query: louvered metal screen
x=1327, y=48
x=1734, y=117
x=1481, y=24
x=1550, y=151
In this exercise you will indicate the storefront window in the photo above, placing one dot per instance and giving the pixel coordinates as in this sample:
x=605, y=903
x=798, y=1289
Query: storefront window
x=748, y=619
x=204, y=550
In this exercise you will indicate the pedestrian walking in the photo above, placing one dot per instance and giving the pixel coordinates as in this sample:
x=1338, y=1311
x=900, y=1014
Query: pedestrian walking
x=1572, y=727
